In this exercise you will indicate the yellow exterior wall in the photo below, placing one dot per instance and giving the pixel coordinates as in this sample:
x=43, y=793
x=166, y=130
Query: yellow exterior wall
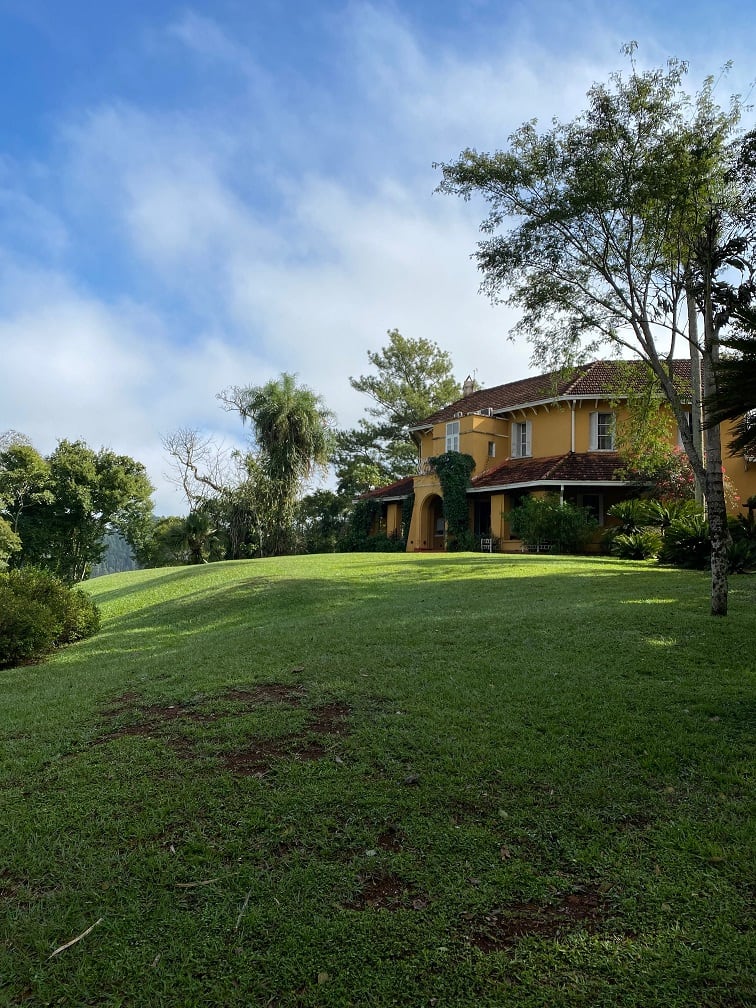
x=741, y=473
x=550, y=430
x=551, y=426
x=475, y=433
x=552, y=434
x=394, y=518
x=420, y=537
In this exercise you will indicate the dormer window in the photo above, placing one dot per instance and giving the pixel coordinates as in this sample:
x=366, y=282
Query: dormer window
x=452, y=436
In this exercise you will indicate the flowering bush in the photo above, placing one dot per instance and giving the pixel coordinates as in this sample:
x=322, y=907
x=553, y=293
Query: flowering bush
x=673, y=480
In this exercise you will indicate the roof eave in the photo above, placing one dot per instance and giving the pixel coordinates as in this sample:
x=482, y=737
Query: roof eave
x=553, y=483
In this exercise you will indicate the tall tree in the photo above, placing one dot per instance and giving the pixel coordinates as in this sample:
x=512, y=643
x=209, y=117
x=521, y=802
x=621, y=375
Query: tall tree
x=234, y=487
x=321, y=519
x=162, y=543
x=599, y=229
x=88, y=494
x=412, y=379
x=292, y=429
x=733, y=396
x=24, y=481
x=10, y=543
x=200, y=466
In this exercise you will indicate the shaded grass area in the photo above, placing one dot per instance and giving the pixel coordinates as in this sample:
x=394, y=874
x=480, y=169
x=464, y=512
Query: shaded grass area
x=385, y=780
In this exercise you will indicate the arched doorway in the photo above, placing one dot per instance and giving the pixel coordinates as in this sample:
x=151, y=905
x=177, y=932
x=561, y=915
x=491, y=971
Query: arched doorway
x=433, y=524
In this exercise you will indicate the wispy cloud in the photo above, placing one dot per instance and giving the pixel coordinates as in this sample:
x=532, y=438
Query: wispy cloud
x=261, y=217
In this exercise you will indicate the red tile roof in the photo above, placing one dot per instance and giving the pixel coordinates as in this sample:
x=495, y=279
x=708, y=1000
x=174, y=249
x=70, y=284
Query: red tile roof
x=601, y=378
x=400, y=488
x=589, y=467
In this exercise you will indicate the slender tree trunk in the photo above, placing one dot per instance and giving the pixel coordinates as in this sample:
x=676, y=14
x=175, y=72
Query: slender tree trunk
x=716, y=510
x=715, y=499
x=696, y=412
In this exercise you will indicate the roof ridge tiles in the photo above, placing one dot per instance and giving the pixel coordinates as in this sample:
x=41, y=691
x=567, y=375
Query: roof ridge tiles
x=580, y=373
x=559, y=460
x=588, y=380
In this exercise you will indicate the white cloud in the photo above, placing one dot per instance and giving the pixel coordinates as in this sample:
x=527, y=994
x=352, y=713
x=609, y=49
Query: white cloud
x=111, y=375
x=256, y=237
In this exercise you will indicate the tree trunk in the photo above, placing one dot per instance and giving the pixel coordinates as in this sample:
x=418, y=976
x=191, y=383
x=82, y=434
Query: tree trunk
x=696, y=413
x=718, y=528
x=716, y=507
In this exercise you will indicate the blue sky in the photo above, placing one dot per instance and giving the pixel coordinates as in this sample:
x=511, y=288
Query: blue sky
x=199, y=195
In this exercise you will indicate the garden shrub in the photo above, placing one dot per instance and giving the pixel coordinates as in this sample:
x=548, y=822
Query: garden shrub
x=641, y=545
x=38, y=612
x=663, y=512
x=545, y=520
x=632, y=515
x=741, y=556
x=28, y=629
x=356, y=537
x=743, y=527
x=382, y=543
x=464, y=542
x=687, y=543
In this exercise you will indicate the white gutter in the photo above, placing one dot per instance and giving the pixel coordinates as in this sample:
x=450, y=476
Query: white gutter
x=571, y=400
x=552, y=483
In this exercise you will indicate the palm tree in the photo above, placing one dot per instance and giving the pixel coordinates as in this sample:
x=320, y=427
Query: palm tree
x=735, y=398
x=292, y=430
x=196, y=535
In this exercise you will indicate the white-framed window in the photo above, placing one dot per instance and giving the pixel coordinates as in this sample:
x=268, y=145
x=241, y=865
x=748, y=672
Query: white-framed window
x=602, y=431
x=492, y=449
x=452, y=435
x=522, y=439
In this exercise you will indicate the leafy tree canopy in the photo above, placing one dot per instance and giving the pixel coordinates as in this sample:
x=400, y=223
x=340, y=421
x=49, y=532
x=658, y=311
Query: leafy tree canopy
x=63, y=506
x=412, y=379
x=603, y=230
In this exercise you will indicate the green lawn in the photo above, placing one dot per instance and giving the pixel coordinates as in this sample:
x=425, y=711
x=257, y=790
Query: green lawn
x=375, y=780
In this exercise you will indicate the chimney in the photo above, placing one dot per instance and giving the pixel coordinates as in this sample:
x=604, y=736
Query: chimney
x=469, y=387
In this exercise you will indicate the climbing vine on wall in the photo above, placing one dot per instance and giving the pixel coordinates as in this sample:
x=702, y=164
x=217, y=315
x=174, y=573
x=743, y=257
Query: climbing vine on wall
x=407, y=505
x=454, y=470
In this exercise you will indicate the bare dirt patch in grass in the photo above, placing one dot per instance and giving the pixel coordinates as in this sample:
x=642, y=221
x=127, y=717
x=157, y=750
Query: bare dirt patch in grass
x=153, y=720
x=261, y=693
x=256, y=759
x=303, y=746
x=391, y=839
x=329, y=719
x=9, y=884
x=386, y=892
x=582, y=910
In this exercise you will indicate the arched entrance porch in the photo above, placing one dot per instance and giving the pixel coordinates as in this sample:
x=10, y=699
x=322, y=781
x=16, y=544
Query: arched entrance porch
x=432, y=524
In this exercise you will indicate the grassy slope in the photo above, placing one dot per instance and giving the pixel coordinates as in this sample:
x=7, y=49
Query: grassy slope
x=493, y=781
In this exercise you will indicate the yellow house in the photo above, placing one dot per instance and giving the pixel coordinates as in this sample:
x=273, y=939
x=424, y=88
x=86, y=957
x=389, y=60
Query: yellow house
x=552, y=433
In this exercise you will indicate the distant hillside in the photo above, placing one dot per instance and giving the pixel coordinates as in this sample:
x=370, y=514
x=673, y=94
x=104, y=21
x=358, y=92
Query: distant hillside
x=118, y=557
